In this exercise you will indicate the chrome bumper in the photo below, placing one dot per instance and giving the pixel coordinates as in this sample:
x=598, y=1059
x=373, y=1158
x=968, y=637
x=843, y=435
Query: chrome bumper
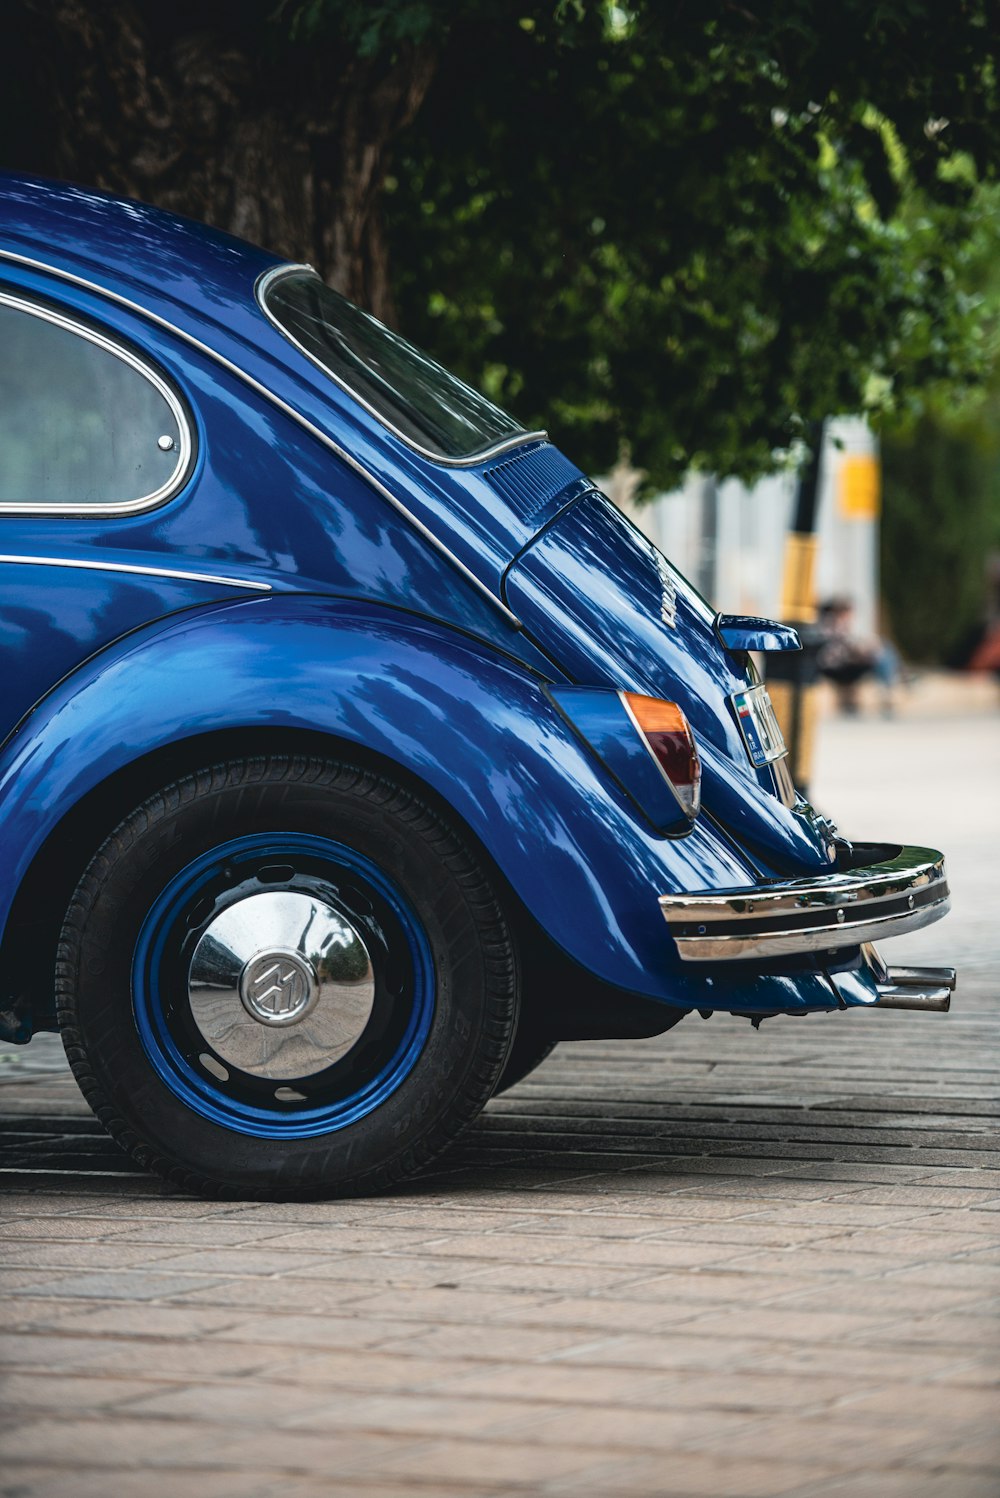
x=823, y=913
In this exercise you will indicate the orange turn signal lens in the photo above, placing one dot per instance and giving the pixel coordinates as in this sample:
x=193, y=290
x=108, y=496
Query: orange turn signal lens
x=669, y=739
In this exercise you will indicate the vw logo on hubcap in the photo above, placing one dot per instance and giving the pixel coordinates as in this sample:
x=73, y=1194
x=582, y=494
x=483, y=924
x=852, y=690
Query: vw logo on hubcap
x=278, y=988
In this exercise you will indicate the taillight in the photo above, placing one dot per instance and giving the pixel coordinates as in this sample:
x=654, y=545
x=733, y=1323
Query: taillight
x=668, y=737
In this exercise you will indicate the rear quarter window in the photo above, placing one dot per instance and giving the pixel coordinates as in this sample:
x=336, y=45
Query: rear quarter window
x=85, y=425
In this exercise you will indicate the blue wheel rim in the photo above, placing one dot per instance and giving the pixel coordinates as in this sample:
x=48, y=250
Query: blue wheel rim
x=159, y=1012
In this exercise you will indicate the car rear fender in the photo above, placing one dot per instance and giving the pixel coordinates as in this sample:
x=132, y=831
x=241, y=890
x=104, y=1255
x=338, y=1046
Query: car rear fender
x=471, y=724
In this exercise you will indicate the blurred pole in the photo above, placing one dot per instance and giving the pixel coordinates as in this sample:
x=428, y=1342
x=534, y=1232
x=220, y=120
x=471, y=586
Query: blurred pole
x=708, y=551
x=792, y=677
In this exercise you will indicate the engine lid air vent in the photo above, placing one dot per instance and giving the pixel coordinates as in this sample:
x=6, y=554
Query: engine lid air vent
x=531, y=478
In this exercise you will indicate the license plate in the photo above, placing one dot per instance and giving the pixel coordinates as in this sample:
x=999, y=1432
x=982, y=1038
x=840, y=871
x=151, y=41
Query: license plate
x=758, y=725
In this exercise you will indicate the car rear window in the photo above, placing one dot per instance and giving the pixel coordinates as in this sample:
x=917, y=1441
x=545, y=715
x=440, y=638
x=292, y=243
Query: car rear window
x=415, y=396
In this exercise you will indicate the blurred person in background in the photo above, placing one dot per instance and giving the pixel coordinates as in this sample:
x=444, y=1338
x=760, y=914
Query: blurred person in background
x=846, y=658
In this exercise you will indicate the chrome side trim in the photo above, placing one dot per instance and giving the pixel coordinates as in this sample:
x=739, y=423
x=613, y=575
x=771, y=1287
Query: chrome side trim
x=179, y=475
x=275, y=400
x=88, y=566
x=517, y=439
x=812, y=914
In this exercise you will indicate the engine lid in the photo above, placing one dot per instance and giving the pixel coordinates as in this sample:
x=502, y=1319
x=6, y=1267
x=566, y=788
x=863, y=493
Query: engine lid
x=599, y=598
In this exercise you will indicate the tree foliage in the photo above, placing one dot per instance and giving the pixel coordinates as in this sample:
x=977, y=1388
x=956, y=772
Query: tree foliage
x=233, y=112
x=694, y=228
x=941, y=519
x=941, y=466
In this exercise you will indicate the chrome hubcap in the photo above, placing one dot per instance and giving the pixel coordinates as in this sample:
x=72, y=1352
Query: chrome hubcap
x=281, y=985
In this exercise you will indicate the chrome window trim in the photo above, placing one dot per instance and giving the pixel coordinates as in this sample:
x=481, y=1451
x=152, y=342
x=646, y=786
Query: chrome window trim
x=472, y=460
x=303, y=421
x=172, y=572
x=178, y=477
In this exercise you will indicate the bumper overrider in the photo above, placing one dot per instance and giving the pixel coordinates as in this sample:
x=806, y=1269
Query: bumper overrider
x=823, y=914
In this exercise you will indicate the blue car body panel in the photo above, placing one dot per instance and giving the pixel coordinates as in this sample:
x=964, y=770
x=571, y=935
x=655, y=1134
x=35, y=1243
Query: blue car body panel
x=341, y=583
x=595, y=585
x=424, y=698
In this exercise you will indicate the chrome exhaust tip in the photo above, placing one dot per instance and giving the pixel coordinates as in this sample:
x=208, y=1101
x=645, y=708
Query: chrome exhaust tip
x=926, y=988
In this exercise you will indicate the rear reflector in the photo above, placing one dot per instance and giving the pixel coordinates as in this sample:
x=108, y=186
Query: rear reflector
x=668, y=737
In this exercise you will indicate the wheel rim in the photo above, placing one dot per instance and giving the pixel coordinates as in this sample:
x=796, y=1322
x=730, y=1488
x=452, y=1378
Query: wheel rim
x=282, y=985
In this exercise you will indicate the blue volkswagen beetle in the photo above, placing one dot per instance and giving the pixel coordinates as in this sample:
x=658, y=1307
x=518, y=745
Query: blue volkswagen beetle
x=356, y=748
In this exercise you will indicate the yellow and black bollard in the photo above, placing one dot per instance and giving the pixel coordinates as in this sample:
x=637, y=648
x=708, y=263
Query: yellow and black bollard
x=792, y=676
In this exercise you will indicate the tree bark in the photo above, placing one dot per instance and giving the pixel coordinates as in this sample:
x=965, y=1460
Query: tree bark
x=289, y=150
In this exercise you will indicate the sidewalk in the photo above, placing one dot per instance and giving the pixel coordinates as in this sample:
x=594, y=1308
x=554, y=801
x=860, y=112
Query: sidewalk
x=924, y=694
x=725, y=1262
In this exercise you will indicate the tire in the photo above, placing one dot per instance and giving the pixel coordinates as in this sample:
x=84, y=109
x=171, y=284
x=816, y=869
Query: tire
x=527, y=1053
x=219, y=1048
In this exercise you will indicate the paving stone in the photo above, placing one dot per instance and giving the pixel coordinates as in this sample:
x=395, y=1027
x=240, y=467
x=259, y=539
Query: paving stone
x=17, y=1281
x=185, y=1234
x=720, y=1264
x=398, y=1269
x=246, y=1402
x=875, y=1297
x=111, y=1441
x=253, y=1262
x=378, y=1372
x=345, y=1452
x=162, y=1322
x=65, y=1254
x=460, y=1461
x=831, y=1444
x=51, y=1229
x=44, y=1390
x=647, y=1254
x=283, y=1294
x=415, y=1413
x=119, y=1284
x=944, y=1480
x=636, y=1429
x=351, y=1238
x=317, y=1331
x=72, y=1481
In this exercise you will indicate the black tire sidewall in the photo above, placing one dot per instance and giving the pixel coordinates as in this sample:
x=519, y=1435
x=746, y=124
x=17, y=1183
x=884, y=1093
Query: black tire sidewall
x=526, y=1054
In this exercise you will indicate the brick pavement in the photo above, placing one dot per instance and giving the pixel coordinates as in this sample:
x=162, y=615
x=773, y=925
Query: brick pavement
x=724, y=1262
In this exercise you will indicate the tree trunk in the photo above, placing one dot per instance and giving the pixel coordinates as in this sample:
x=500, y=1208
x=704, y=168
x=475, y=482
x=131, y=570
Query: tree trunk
x=287, y=145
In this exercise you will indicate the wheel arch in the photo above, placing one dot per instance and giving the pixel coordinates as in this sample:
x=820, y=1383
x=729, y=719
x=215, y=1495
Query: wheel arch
x=27, y=949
